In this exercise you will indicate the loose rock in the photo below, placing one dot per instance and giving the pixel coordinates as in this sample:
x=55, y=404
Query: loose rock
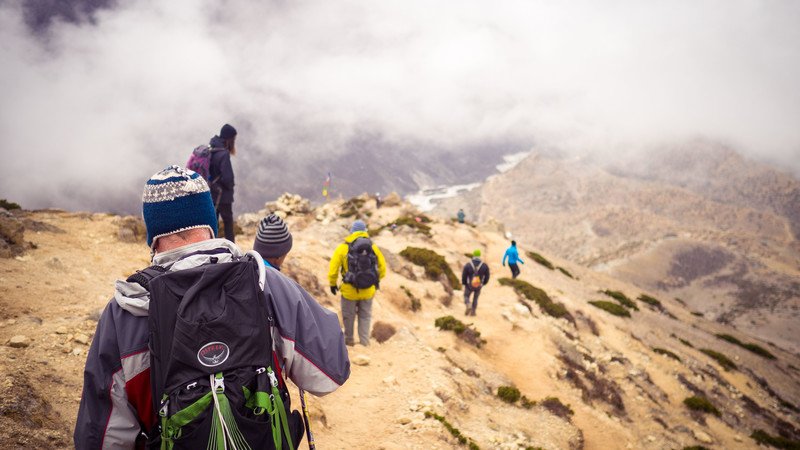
x=19, y=341
x=361, y=360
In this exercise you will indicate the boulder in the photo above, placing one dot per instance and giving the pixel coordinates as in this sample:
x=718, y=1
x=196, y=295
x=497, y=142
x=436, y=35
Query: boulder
x=19, y=341
x=12, y=235
x=131, y=229
x=392, y=200
x=289, y=204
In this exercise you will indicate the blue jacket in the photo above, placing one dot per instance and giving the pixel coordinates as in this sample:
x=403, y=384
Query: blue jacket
x=220, y=172
x=513, y=256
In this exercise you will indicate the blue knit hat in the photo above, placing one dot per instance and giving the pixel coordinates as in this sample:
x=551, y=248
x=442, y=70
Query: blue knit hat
x=176, y=199
x=358, y=225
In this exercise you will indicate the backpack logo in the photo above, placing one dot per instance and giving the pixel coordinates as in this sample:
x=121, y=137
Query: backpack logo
x=213, y=354
x=362, y=264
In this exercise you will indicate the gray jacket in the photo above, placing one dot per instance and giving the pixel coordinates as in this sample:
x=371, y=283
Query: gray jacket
x=116, y=400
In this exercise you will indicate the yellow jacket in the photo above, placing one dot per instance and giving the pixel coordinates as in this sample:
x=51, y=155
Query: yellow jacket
x=339, y=264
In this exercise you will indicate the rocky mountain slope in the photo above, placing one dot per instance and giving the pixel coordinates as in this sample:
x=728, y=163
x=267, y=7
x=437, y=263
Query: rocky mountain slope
x=696, y=222
x=572, y=375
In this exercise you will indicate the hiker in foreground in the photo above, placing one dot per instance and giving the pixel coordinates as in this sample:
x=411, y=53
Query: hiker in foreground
x=221, y=176
x=474, y=276
x=362, y=267
x=193, y=351
x=513, y=258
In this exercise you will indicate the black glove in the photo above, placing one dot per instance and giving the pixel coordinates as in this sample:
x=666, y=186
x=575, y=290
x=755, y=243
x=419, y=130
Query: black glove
x=334, y=289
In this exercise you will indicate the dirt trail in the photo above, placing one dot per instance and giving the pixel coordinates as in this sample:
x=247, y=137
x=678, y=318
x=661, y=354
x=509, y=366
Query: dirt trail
x=53, y=294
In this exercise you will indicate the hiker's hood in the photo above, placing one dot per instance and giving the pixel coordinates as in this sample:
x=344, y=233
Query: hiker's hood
x=135, y=299
x=475, y=260
x=216, y=142
x=356, y=235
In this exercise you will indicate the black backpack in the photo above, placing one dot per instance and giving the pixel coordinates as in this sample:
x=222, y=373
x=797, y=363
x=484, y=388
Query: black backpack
x=362, y=264
x=213, y=372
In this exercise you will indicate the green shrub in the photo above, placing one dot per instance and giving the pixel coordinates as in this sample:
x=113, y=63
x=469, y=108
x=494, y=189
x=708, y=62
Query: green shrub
x=541, y=260
x=757, y=349
x=466, y=333
x=416, y=305
x=762, y=437
x=611, y=308
x=665, y=352
x=508, y=394
x=9, y=205
x=350, y=207
x=531, y=292
x=463, y=440
x=565, y=272
x=526, y=402
x=433, y=263
x=723, y=360
x=554, y=405
x=652, y=301
x=621, y=298
x=698, y=403
x=411, y=222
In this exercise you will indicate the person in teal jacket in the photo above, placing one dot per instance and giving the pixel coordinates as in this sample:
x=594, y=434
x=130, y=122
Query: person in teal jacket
x=513, y=258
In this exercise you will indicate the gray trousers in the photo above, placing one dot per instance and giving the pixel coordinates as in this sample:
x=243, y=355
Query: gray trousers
x=467, y=291
x=351, y=309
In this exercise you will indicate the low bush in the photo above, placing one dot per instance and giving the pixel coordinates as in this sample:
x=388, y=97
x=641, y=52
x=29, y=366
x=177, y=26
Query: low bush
x=527, y=403
x=7, y=205
x=757, y=349
x=698, y=403
x=723, y=360
x=554, y=405
x=531, y=292
x=652, y=301
x=463, y=440
x=466, y=333
x=565, y=272
x=762, y=437
x=622, y=299
x=540, y=259
x=350, y=207
x=508, y=394
x=418, y=226
x=433, y=263
x=665, y=352
x=611, y=308
x=416, y=305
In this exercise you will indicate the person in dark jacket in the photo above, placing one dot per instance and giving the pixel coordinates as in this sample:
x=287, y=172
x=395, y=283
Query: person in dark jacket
x=474, y=276
x=116, y=408
x=221, y=175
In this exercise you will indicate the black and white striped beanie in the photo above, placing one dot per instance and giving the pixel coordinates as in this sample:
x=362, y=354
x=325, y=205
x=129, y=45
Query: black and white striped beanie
x=273, y=239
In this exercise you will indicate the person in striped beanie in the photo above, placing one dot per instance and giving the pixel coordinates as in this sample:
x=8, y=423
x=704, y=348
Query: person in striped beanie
x=273, y=241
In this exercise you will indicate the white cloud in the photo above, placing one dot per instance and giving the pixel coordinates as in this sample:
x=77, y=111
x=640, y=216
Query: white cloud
x=107, y=104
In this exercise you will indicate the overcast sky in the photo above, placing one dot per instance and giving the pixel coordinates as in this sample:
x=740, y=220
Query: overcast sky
x=91, y=106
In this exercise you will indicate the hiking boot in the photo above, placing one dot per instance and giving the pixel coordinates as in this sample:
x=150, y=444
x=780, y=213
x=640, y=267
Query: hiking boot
x=350, y=343
x=472, y=312
x=467, y=311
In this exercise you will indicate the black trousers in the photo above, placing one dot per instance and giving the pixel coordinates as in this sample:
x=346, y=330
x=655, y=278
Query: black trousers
x=225, y=210
x=514, y=270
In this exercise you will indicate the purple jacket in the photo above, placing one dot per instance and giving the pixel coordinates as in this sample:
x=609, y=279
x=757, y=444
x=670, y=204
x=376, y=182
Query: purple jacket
x=116, y=403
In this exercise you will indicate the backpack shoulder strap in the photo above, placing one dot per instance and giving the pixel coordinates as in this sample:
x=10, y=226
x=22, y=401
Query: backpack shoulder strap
x=143, y=277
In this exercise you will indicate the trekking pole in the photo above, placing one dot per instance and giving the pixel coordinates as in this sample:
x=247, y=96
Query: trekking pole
x=309, y=434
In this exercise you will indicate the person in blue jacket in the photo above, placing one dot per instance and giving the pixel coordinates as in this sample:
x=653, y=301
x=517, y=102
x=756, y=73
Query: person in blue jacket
x=513, y=258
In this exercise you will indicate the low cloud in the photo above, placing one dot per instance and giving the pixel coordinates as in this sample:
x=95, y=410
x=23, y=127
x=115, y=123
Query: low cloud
x=93, y=107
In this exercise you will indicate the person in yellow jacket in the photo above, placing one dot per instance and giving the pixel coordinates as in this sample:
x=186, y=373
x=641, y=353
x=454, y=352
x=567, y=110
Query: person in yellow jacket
x=358, y=286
